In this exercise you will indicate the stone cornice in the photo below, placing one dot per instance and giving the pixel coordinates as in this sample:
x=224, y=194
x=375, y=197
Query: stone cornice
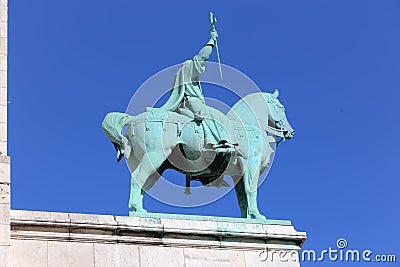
x=156, y=229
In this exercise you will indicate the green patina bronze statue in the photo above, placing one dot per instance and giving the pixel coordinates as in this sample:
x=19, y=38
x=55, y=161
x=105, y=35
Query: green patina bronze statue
x=187, y=135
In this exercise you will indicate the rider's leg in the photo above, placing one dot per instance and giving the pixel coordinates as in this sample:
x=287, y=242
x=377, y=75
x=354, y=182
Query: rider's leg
x=214, y=120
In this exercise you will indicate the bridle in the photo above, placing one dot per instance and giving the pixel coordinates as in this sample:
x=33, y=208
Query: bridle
x=272, y=130
x=276, y=132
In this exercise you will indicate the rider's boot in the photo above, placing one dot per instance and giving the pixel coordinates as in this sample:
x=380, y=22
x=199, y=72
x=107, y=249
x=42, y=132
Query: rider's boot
x=198, y=117
x=225, y=147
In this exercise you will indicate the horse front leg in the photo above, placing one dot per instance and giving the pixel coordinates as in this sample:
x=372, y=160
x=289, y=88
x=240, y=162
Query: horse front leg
x=250, y=180
x=252, y=211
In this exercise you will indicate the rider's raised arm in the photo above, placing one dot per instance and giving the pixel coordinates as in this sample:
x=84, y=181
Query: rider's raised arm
x=205, y=52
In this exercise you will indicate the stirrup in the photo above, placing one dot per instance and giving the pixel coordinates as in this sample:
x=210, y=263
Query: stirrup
x=225, y=150
x=198, y=117
x=225, y=147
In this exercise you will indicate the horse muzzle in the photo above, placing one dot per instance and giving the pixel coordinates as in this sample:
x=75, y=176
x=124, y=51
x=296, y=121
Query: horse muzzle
x=288, y=134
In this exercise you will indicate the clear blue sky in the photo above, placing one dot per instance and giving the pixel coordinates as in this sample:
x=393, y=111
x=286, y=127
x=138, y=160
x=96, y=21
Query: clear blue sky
x=336, y=64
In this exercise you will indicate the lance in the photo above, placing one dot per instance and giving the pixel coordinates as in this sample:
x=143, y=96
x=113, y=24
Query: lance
x=212, y=27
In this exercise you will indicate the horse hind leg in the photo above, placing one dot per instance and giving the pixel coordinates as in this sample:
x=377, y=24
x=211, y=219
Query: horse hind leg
x=136, y=196
x=146, y=169
x=241, y=197
x=154, y=177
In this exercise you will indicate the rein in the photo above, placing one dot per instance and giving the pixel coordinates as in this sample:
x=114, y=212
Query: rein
x=275, y=131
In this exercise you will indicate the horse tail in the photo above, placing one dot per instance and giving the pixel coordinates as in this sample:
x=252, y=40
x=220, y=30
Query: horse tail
x=112, y=125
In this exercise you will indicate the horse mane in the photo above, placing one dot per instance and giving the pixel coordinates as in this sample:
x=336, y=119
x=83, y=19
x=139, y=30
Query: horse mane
x=253, y=109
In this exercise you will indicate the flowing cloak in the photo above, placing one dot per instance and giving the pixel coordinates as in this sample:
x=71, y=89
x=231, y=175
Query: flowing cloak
x=186, y=82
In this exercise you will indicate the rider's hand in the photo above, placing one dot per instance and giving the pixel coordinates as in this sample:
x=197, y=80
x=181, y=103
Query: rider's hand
x=214, y=35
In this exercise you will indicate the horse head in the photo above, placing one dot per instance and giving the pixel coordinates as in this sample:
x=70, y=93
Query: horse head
x=277, y=121
x=253, y=108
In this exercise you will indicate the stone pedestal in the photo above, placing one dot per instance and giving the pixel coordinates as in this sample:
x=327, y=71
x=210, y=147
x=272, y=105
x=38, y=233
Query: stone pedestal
x=4, y=210
x=4, y=160
x=66, y=239
x=3, y=76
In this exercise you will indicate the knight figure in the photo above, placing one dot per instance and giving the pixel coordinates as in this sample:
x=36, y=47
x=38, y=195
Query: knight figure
x=187, y=98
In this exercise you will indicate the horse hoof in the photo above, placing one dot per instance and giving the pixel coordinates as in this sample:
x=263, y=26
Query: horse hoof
x=141, y=211
x=256, y=217
x=134, y=213
x=261, y=217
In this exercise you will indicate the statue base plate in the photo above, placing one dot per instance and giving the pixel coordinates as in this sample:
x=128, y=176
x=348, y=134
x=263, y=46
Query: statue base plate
x=207, y=218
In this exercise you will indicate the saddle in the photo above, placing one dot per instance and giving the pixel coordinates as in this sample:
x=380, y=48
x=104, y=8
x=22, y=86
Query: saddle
x=191, y=129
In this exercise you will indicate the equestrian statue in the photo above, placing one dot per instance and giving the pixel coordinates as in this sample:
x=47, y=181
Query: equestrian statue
x=187, y=135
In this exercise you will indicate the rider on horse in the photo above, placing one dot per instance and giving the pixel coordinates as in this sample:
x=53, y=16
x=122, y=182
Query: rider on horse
x=187, y=98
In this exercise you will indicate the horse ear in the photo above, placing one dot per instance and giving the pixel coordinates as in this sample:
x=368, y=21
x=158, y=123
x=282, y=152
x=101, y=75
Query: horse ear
x=275, y=93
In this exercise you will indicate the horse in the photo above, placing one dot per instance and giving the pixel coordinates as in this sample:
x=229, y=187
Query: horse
x=156, y=140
